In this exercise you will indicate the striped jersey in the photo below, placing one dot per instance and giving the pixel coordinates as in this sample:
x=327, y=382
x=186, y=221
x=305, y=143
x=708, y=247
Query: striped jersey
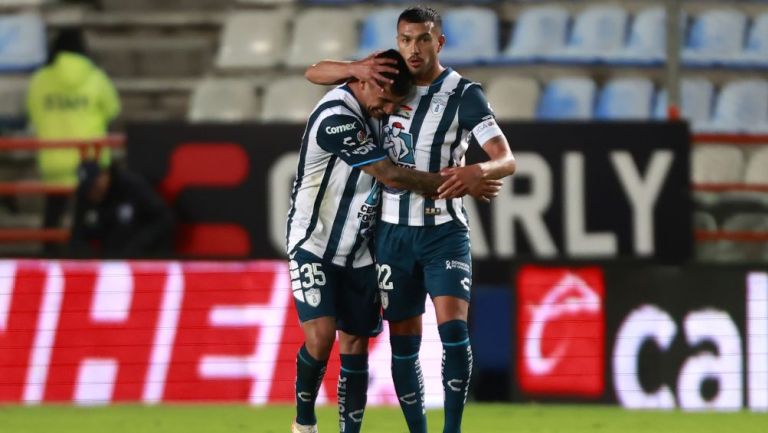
x=333, y=202
x=429, y=132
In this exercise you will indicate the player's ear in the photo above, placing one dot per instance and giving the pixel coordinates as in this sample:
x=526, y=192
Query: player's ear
x=440, y=42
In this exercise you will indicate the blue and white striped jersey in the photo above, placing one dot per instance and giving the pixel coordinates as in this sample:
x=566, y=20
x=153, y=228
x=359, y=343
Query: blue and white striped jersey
x=429, y=132
x=334, y=203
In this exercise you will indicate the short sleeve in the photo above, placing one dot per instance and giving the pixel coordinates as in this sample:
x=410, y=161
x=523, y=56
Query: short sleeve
x=476, y=115
x=346, y=137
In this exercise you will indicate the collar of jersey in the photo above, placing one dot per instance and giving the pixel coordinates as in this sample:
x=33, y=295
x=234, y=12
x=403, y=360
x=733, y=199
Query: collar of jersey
x=435, y=86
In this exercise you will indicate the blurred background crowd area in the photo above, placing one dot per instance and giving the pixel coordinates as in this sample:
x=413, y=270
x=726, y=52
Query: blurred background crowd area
x=239, y=61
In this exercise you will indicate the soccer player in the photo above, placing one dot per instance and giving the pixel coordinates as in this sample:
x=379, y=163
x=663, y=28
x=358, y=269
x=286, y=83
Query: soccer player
x=422, y=243
x=333, y=209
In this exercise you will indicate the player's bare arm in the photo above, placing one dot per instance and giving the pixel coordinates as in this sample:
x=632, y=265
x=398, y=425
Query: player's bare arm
x=369, y=69
x=471, y=179
x=394, y=176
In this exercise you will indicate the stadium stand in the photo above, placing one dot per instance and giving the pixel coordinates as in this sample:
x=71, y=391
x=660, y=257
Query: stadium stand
x=598, y=34
x=472, y=36
x=717, y=163
x=756, y=172
x=697, y=96
x=570, y=98
x=513, y=98
x=13, y=90
x=378, y=32
x=742, y=106
x=647, y=39
x=716, y=37
x=744, y=249
x=223, y=100
x=625, y=98
x=322, y=33
x=23, y=42
x=253, y=39
x=540, y=32
x=756, y=51
x=290, y=99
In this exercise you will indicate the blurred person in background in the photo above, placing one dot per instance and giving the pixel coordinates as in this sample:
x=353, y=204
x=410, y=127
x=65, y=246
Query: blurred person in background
x=68, y=99
x=422, y=243
x=119, y=214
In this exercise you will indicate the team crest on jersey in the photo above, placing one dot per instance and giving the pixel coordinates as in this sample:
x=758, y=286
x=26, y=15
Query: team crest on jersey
x=313, y=297
x=438, y=104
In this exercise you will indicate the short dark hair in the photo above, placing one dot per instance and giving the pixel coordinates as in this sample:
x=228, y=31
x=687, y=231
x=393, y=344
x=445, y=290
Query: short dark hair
x=421, y=14
x=402, y=81
x=70, y=39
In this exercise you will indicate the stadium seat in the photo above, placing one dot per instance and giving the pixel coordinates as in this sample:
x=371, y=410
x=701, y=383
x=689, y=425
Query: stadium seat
x=716, y=163
x=742, y=106
x=756, y=172
x=472, y=36
x=598, y=34
x=513, y=98
x=540, y=31
x=756, y=51
x=697, y=96
x=708, y=250
x=647, y=40
x=745, y=251
x=569, y=98
x=716, y=37
x=252, y=39
x=223, y=100
x=23, y=46
x=320, y=33
x=625, y=99
x=290, y=99
x=379, y=31
x=13, y=91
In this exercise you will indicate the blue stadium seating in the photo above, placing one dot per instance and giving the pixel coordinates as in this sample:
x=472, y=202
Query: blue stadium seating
x=647, y=39
x=570, y=98
x=696, y=98
x=716, y=37
x=472, y=36
x=379, y=31
x=598, y=33
x=22, y=42
x=742, y=106
x=625, y=99
x=756, y=51
x=540, y=31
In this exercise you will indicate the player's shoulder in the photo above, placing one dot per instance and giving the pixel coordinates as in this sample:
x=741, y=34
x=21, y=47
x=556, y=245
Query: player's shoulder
x=338, y=101
x=458, y=81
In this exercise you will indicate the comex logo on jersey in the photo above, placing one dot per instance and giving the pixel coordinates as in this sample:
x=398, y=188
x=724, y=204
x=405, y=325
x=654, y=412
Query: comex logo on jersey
x=332, y=130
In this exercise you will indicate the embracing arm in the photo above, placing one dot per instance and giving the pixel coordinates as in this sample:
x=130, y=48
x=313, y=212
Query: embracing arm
x=501, y=163
x=369, y=69
x=470, y=179
x=398, y=177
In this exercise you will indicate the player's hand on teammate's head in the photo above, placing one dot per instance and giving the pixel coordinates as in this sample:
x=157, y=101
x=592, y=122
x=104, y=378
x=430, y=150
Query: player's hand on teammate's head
x=371, y=68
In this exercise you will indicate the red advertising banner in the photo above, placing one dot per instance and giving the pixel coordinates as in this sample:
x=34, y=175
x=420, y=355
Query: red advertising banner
x=92, y=332
x=560, y=331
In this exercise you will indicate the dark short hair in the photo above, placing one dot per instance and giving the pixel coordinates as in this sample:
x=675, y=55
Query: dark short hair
x=402, y=81
x=421, y=14
x=70, y=39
